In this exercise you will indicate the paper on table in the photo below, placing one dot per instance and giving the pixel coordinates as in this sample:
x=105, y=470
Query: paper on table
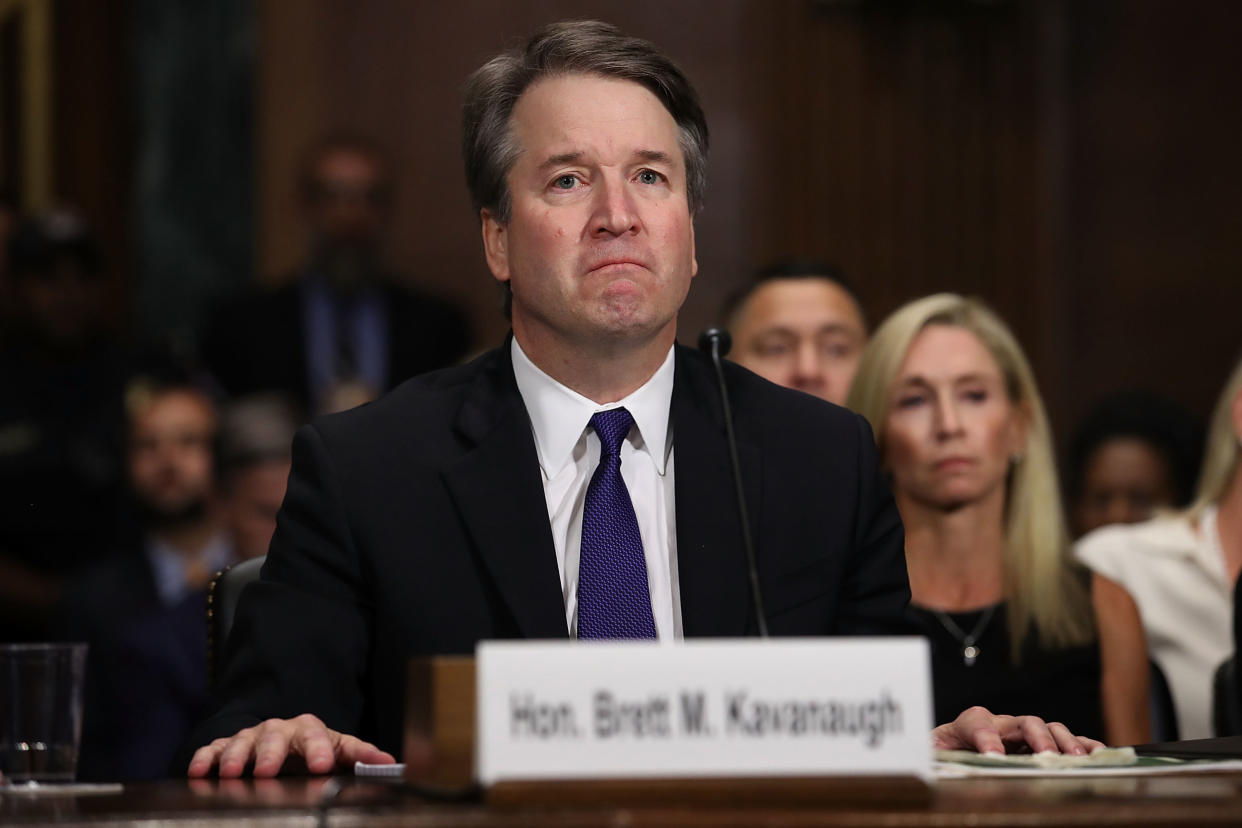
x=390, y=770
x=59, y=788
x=1102, y=758
x=1104, y=762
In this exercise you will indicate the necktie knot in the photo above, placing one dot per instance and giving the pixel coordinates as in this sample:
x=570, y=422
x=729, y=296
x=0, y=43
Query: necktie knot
x=612, y=426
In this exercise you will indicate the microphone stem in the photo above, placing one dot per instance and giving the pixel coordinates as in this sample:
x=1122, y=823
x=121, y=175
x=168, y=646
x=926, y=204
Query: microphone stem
x=753, y=570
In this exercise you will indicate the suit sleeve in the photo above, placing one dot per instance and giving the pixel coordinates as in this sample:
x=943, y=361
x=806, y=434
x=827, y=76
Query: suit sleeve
x=302, y=635
x=876, y=589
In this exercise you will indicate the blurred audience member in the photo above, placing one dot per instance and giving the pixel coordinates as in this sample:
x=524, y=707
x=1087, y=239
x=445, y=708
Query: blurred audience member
x=799, y=325
x=61, y=421
x=344, y=329
x=1134, y=453
x=1014, y=624
x=256, y=438
x=1181, y=569
x=143, y=613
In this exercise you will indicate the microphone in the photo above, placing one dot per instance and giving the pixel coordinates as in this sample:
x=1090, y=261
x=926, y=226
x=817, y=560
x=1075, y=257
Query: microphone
x=716, y=342
x=713, y=340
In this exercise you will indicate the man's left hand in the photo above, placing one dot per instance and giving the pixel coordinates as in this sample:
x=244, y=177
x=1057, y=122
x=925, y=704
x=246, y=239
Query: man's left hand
x=979, y=730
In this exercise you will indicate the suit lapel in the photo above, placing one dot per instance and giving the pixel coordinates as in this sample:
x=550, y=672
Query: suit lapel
x=498, y=489
x=711, y=560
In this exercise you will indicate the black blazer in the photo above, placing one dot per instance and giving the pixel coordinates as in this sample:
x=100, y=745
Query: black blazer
x=256, y=341
x=417, y=525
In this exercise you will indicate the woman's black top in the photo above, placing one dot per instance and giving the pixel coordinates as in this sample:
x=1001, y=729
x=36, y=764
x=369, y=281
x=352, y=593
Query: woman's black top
x=1056, y=685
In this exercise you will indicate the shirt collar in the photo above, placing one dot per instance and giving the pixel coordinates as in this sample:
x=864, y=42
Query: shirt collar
x=169, y=565
x=559, y=415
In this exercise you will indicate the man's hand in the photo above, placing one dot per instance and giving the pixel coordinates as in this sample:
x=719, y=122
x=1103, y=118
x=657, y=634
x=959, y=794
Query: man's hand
x=269, y=743
x=977, y=729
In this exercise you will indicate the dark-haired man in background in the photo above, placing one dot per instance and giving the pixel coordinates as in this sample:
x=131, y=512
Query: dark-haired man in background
x=345, y=329
x=466, y=505
x=142, y=612
x=799, y=325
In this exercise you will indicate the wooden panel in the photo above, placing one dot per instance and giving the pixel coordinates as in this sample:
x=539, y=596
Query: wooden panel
x=1071, y=163
x=395, y=70
x=90, y=118
x=1154, y=218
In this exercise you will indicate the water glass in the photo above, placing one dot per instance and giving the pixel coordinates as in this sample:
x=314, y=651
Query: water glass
x=40, y=711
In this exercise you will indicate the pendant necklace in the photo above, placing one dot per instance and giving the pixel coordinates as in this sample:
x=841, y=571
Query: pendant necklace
x=970, y=650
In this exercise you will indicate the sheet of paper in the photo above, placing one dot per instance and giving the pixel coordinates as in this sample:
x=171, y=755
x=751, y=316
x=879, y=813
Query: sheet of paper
x=59, y=788
x=1105, y=762
x=388, y=771
x=1104, y=757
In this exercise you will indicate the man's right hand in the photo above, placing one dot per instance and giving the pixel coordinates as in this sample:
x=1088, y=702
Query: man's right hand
x=268, y=744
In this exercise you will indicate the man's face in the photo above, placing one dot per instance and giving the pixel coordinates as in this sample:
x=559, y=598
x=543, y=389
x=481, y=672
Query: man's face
x=599, y=247
x=170, y=459
x=63, y=305
x=806, y=334
x=346, y=205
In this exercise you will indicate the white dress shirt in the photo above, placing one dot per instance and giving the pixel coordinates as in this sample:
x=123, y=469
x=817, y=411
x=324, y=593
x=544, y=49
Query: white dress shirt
x=1176, y=574
x=568, y=452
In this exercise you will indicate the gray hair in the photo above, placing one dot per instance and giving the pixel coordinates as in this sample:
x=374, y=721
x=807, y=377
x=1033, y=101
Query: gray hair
x=586, y=47
x=253, y=430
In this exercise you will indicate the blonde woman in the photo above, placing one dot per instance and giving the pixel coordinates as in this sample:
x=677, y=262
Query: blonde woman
x=1014, y=623
x=1181, y=569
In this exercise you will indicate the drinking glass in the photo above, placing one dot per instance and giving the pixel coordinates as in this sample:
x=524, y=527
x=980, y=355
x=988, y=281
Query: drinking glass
x=40, y=711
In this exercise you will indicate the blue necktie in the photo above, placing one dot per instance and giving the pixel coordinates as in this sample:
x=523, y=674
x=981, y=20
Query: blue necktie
x=613, y=598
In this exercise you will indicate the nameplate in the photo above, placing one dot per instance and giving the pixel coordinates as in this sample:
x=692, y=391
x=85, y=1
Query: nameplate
x=710, y=708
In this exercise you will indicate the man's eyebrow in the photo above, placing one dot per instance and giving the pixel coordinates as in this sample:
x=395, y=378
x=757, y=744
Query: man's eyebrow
x=561, y=159
x=575, y=157
x=778, y=330
x=654, y=156
x=838, y=328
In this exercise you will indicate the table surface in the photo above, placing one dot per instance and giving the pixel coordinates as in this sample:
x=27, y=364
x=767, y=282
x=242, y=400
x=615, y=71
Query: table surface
x=1205, y=799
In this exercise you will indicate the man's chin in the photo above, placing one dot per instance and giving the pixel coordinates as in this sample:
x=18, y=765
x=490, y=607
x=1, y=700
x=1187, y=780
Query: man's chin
x=172, y=515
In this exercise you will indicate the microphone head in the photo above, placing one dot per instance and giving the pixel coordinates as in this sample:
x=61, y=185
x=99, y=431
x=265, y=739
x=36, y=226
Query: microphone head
x=720, y=337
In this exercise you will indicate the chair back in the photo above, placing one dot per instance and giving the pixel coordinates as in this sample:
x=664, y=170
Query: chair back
x=1226, y=702
x=1160, y=705
x=222, y=597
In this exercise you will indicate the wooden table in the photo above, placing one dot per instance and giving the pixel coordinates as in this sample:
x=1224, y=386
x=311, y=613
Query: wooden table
x=339, y=801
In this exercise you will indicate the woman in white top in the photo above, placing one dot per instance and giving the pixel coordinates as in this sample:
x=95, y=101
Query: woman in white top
x=1181, y=569
x=1013, y=622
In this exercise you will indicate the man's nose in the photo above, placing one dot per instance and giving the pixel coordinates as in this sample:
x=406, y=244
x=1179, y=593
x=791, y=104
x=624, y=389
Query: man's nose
x=808, y=368
x=615, y=213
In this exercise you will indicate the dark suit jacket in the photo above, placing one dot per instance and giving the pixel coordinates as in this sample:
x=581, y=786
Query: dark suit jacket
x=146, y=677
x=256, y=342
x=418, y=525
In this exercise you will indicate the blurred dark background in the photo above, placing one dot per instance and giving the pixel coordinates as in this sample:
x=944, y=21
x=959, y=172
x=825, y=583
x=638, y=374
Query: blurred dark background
x=1075, y=163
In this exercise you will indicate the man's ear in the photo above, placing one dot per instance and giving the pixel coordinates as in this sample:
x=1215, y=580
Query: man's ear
x=495, y=245
x=694, y=261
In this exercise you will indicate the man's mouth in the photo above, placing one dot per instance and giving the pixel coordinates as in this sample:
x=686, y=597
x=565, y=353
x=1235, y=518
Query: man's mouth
x=615, y=265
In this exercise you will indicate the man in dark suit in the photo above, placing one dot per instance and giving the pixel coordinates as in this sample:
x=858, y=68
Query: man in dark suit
x=344, y=329
x=466, y=505
x=141, y=611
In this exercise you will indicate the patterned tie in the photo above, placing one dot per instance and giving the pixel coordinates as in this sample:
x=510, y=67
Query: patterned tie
x=613, y=599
